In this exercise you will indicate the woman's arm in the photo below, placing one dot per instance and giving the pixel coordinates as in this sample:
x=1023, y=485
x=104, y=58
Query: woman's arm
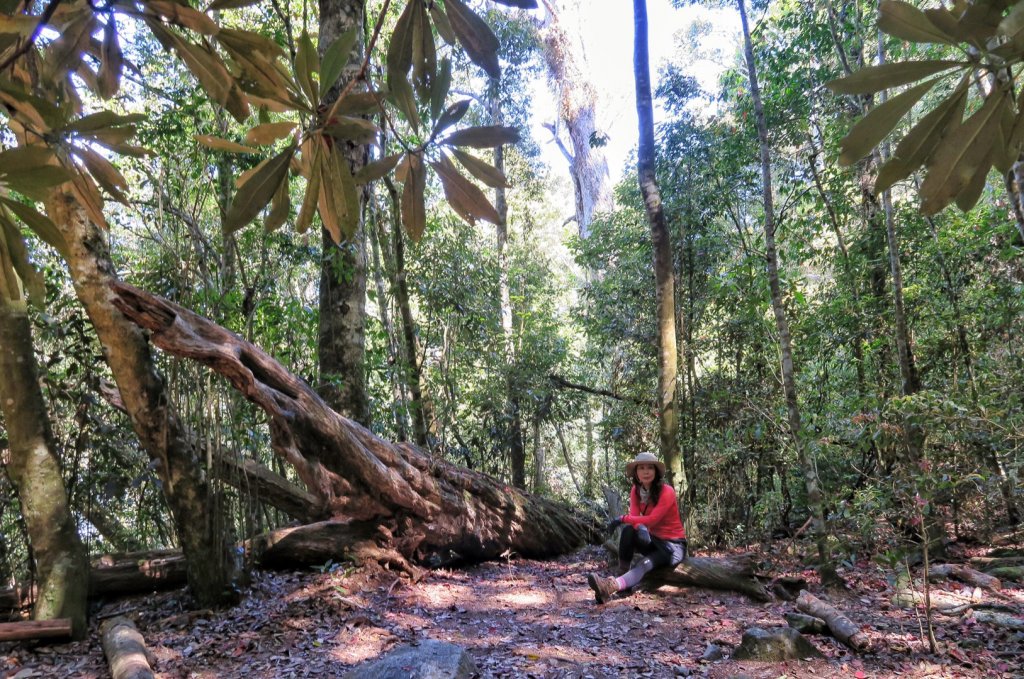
x=666, y=504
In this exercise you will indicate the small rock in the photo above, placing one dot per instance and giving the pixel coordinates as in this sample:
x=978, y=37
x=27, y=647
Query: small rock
x=712, y=653
x=429, y=660
x=682, y=671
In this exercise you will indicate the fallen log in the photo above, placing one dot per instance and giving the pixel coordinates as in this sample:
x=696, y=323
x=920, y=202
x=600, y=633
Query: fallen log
x=734, y=574
x=964, y=574
x=1012, y=573
x=430, y=511
x=17, y=599
x=136, y=572
x=941, y=602
x=1000, y=619
x=988, y=562
x=35, y=629
x=125, y=650
x=842, y=628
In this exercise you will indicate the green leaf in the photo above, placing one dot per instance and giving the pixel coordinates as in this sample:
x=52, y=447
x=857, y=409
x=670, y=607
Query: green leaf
x=337, y=54
x=402, y=96
x=279, y=208
x=183, y=15
x=975, y=186
x=485, y=172
x=923, y=139
x=111, y=61
x=311, y=156
x=439, y=94
x=307, y=62
x=1012, y=26
x=879, y=121
x=257, y=191
x=961, y=155
x=903, y=20
x=268, y=133
x=475, y=36
x=36, y=182
x=40, y=225
x=441, y=23
x=373, y=171
x=424, y=56
x=414, y=212
x=230, y=4
x=358, y=130
x=464, y=196
x=105, y=174
x=876, y=78
x=102, y=119
x=22, y=158
x=399, y=57
x=339, y=202
x=483, y=137
x=359, y=103
x=219, y=144
x=452, y=115
x=13, y=246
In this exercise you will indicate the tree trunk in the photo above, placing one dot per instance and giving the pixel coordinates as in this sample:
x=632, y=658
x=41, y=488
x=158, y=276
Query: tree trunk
x=577, y=103
x=34, y=470
x=424, y=508
x=513, y=418
x=664, y=283
x=342, y=331
x=805, y=457
x=421, y=407
x=214, y=570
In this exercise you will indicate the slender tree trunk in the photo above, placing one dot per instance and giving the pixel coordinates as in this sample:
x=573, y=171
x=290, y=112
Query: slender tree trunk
x=513, y=418
x=213, y=568
x=342, y=332
x=61, y=565
x=399, y=406
x=422, y=408
x=804, y=455
x=664, y=283
x=540, y=462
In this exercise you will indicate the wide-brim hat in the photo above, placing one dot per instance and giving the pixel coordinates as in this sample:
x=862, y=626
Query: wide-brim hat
x=645, y=458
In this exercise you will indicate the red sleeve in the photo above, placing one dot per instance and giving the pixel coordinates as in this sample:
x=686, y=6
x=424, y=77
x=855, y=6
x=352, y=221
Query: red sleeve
x=666, y=504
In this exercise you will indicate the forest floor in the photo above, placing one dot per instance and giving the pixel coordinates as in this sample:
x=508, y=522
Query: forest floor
x=526, y=618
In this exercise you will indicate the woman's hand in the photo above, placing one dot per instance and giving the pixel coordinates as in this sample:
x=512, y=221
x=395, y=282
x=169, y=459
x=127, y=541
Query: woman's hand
x=613, y=524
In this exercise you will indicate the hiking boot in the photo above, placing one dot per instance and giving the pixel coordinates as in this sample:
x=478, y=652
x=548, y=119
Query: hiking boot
x=604, y=588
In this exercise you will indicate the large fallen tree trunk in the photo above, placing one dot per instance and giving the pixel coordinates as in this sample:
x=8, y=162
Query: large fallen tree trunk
x=395, y=494
x=125, y=650
x=735, y=574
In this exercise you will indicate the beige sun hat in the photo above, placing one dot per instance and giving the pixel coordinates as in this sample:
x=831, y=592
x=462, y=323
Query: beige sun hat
x=645, y=458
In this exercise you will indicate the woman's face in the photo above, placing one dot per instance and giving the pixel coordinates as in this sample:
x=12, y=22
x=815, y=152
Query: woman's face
x=645, y=473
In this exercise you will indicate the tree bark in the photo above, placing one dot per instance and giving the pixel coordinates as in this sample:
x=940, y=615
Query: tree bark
x=425, y=508
x=577, y=104
x=214, y=570
x=664, y=278
x=342, y=329
x=805, y=457
x=34, y=470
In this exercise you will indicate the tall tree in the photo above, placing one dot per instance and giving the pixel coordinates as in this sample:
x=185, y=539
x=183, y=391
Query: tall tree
x=34, y=468
x=342, y=335
x=664, y=277
x=805, y=456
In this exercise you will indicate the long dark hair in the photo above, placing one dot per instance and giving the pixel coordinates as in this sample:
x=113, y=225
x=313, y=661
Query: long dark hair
x=656, y=484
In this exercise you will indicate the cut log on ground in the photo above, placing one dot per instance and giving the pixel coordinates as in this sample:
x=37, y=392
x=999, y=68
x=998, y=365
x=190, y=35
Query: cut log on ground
x=35, y=629
x=1000, y=619
x=1012, y=573
x=136, y=572
x=734, y=574
x=125, y=650
x=964, y=574
x=842, y=628
x=941, y=602
x=430, y=511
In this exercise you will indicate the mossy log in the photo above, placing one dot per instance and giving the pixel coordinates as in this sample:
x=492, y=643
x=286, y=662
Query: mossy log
x=1012, y=573
x=986, y=563
x=413, y=504
x=125, y=650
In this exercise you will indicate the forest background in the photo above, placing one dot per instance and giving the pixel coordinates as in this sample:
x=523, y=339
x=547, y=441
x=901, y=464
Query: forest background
x=506, y=329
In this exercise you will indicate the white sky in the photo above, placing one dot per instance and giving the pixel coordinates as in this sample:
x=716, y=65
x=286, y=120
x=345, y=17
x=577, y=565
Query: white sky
x=608, y=41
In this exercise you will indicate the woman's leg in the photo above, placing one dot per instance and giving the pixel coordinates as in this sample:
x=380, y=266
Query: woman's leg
x=627, y=547
x=656, y=556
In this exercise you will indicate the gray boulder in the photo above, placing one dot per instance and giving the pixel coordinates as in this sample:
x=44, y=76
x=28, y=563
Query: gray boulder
x=428, y=660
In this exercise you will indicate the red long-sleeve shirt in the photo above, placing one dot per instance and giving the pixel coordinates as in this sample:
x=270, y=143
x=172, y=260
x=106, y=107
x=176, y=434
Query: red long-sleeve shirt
x=662, y=519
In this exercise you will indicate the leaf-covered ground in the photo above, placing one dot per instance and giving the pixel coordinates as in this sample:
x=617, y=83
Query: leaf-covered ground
x=524, y=618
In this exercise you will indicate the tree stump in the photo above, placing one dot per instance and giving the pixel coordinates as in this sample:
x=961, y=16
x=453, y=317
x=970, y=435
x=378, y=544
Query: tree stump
x=125, y=650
